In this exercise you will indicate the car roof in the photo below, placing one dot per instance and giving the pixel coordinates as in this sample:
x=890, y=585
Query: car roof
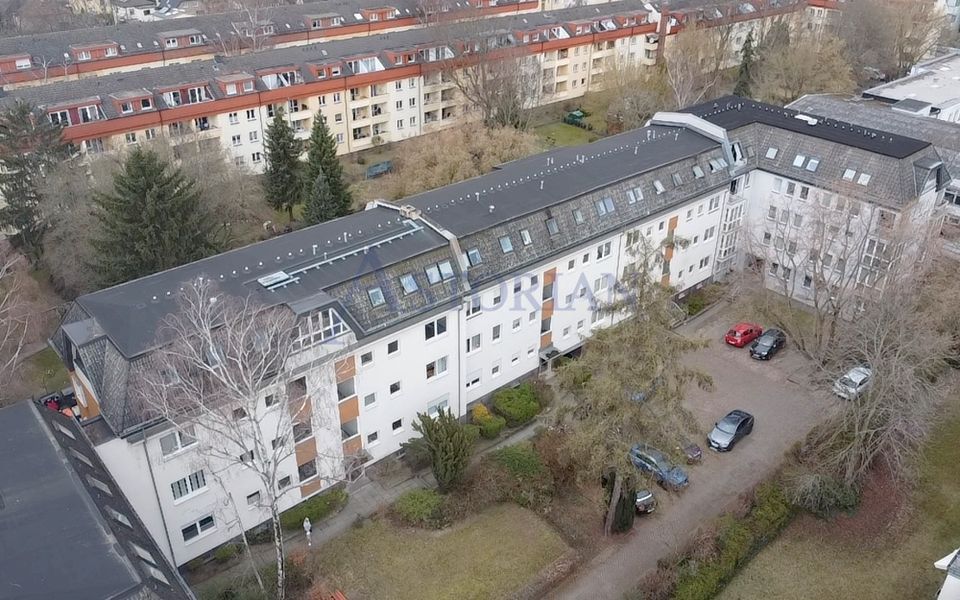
x=772, y=333
x=649, y=451
x=859, y=373
x=745, y=325
x=735, y=416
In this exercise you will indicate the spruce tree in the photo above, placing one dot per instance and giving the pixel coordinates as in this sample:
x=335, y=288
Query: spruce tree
x=319, y=205
x=745, y=75
x=322, y=157
x=153, y=219
x=449, y=447
x=281, y=176
x=29, y=146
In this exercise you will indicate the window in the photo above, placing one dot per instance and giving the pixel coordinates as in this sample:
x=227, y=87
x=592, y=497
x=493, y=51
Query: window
x=373, y=438
x=150, y=134
x=254, y=136
x=697, y=172
x=772, y=213
x=473, y=343
x=552, y=227
x=714, y=204
x=807, y=281
x=394, y=388
x=677, y=180
x=774, y=268
x=516, y=324
x=658, y=186
x=236, y=140
x=176, y=441
x=277, y=442
x=24, y=63
x=307, y=470
x=525, y=237
x=376, y=296
x=577, y=217
x=791, y=188
x=256, y=157
x=393, y=347
x=849, y=174
x=246, y=457
x=435, y=328
x=709, y=233
x=194, y=529
x=397, y=425
x=532, y=316
x=864, y=179
x=603, y=250
x=495, y=369
x=408, y=283
x=253, y=500
x=284, y=482
x=191, y=484
x=126, y=107
x=473, y=257
x=766, y=238
x=369, y=399
x=495, y=333
x=269, y=400
x=705, y=262
x=798, y=160
x=131, y=138
x=302, y=431
x=505, y=244
x=604, y=206
x=804, y=192
x=251, y=114
x=231, y=89
x=813, y=164
x=437, y=367
x=772, y=153
x=797, y=219
x=474, y=307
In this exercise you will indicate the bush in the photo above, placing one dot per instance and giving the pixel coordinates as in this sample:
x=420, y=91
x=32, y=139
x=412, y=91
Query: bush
x=473, y=432
x=226, y=552
x=317, y=508
x=520, y=460
x=521, y=476
x=490, y=425
x=543, y=392
x=551, y=447
x=419, y=508
x=822, y=495
x=517, y=405
x=416, y=453
x=298, y=578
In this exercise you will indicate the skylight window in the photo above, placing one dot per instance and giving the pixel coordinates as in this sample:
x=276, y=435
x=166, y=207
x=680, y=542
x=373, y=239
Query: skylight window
x=409, y=283
x=813, y=164
x=577, y=216
x=659, y=186
x=772, y=152
x=506, y=245
x=433, y=274
x=446, y=269
x=723, y=162
x=473, y=257
x=554, y=229
x=864, y=179
x=634, y=195
x=714, y=165
x=525, y=236
x=849, y=174
x=677, y=180
x=798, y=160
x=376, y=296
x=697, y=171
x=604, y=206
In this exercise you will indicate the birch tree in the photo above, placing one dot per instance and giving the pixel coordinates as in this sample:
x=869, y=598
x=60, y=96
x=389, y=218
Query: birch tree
x=217, y=379
x=13, y=321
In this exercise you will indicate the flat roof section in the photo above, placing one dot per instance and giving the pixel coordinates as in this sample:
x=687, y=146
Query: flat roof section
x=53, y=541
x=936, y=81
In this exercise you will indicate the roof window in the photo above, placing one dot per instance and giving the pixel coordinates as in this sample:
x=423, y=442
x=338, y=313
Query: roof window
x=677, y=180
x=473, y=257
x=812, y=164
x=433, y=274
x=506, y=244
x=525, y=237
x=864, y=179
x=772, y=152
x=605, y=206
x=409, y=283
x=578, y=216
x=554, y=229
x=798, y=160
x=659, y=186
x=446, y=269
x=697, y=171
x=376, y=296
x=849, y=174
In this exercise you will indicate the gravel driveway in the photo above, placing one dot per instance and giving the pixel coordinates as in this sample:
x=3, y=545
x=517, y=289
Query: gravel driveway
x=785, y=409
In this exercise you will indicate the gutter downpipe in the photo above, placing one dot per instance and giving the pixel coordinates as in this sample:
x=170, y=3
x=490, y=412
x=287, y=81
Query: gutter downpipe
x=163, y=519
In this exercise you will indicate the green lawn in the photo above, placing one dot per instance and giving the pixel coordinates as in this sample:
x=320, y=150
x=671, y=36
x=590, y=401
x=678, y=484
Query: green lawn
x=561, y=134
x=800, y=566
x=44, y=372
x=487, y=556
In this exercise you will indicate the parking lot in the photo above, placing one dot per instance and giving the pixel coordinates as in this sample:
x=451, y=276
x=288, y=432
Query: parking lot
x=785, y=407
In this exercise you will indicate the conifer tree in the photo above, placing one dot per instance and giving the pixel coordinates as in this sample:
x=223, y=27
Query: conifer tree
x=319, y=205
x=153, y=219
x=449, y=447
x=747, y=59
x=30, y=144
x=281, y=177
x=322, y=157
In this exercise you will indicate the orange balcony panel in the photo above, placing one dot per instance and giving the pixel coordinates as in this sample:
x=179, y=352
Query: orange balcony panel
x=346, y=369
x=349, y=409
x=305, y=450
x=353, y=446
x=310, y=487
x=547, y=310
x=546, y=339
x=550, y=276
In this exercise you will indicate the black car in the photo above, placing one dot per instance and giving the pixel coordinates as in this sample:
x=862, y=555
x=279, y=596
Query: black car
x=730, y=429
x=768, y=344
x=650, y=460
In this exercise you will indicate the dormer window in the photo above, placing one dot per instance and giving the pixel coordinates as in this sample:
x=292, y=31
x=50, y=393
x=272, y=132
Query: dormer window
x=335, y=71
x=23, y=64
x=316, y=24
x=195, y=40
x=126, y=107
x=171, y=43
x=60, y=117
x=146, y=104
x=231, y=89
x=83, y=55
x=248, y=85
x=111, y=51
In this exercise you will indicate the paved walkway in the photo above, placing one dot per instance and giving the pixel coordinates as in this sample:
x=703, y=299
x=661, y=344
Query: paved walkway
x=367, y=496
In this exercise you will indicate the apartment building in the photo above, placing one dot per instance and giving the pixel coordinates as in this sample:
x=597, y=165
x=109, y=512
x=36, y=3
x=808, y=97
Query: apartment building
x=440, y=300
x=40, y=59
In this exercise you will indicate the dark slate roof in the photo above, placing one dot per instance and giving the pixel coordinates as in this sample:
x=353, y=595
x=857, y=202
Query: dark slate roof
x=58, y=538
x=911, y=104
x=944, y=135
x=206, y=70
x=327, y=254
x=515, y=189
x=732, y=112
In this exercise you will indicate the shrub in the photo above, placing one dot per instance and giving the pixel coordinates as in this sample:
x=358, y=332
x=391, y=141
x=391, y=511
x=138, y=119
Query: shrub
x=543, y=392
x=298, y=578
x=822, y=495
x=490, y=425
x=448, y=445
x=473, y=432
x=522, y=476
x=419, y=508
x=416, y=453
x=520, y=460
x=317, y=508
x=517, y=405
x=551, y=447
x=659, y=584
x=226, y=552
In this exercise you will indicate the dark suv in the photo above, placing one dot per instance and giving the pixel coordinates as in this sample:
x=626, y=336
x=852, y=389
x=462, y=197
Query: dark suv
x=768, y=344
x=650, y=460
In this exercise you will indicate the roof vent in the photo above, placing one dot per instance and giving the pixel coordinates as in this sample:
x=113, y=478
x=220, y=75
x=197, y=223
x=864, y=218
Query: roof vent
x=273, y=279
x=408, y=211
x=491, y=208
x=807, y=119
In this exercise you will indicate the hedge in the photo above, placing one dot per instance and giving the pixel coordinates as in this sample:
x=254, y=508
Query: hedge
x=490, y=424
x=317, y=508
x=517, y=405
x=419, y=508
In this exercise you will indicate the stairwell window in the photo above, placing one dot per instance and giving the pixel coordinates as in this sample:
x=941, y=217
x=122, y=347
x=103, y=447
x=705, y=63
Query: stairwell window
x=193, y=530
x=188, y=486
x=176, y=441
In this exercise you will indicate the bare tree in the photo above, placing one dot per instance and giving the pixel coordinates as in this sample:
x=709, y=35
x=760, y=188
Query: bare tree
x=220, y=360
x=694, y=60
x=13, y=321
x=635, y=92
x=630, y=396
x=806, y=65
x=251, y=28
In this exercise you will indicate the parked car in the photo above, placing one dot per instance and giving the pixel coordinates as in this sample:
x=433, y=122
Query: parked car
x=742, y=334
x=645, y=502
x=730, y=430
x=768, y=344
x=851, y=385
x=650, y=460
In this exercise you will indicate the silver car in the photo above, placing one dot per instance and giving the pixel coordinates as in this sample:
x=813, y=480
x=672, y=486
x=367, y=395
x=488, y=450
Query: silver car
x=851, y=385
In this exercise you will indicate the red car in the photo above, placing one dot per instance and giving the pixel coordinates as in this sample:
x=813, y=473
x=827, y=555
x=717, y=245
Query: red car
x=742, y=334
